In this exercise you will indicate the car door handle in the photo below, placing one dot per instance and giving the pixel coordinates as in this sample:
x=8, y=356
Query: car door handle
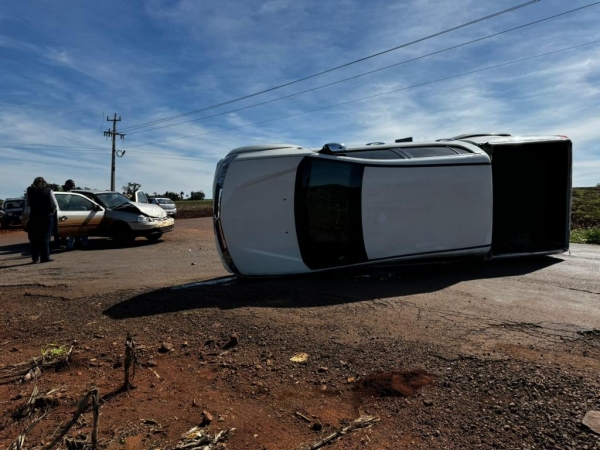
x=62, y=218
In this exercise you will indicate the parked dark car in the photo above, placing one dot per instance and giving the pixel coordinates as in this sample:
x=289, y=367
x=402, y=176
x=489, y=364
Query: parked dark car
x=12, y=212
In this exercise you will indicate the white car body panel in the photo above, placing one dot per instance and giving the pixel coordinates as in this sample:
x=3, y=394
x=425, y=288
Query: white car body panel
x=426, y=215
x=258, y=189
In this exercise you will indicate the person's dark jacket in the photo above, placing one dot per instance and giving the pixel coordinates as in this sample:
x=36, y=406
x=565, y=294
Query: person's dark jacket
x=40, y=202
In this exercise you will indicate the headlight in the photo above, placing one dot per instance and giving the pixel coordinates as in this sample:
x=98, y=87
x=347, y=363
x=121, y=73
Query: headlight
x=144, y=219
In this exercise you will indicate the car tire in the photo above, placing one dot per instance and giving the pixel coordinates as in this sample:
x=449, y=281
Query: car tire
x=154, y=237
x=121, y=234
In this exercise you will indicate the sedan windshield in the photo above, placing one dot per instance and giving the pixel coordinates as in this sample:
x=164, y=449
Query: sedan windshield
x=328, y=213
x=111, y=200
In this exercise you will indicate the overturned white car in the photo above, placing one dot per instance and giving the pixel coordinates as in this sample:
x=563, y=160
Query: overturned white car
x=284, y=209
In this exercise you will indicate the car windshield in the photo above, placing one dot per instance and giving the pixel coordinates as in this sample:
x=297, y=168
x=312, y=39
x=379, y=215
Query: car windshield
x=111, y=200
x=328, y=213
x=165, y=201
x=14, y=204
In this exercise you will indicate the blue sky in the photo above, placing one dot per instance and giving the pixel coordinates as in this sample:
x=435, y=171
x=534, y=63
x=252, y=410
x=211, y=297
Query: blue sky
x=67, y=65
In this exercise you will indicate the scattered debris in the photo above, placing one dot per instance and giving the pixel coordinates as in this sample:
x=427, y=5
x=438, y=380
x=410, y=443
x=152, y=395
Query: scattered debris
x=234, y=340
x=93, y=398
x=302, y=416
x=361, y=422
x=166, y=347
x=197, y=439
x=33, y=374
x=207, y=418
x=149, y=422
x=299, y=357
x=322, y=369
x=30, y=370
x=592, y=421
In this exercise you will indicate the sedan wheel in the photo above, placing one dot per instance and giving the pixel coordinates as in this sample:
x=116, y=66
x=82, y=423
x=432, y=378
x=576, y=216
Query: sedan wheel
x=121, y=234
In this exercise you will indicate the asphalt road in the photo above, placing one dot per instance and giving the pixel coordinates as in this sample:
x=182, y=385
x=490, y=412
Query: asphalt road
x=479, y=307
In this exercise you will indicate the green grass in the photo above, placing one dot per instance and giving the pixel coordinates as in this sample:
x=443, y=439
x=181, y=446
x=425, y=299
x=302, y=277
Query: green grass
x=585, y=216
x=589, y=236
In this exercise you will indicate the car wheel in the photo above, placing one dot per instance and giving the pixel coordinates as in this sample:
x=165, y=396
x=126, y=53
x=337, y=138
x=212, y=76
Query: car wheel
x=154, y=237
x=121, y=233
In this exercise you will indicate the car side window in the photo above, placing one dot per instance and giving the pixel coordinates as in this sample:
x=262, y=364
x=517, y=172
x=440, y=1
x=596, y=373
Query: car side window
x=71, y=202
x=429, y=152
x=373, y=154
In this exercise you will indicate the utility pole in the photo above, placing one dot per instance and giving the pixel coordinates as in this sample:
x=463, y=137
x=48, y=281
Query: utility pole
x=113, y=134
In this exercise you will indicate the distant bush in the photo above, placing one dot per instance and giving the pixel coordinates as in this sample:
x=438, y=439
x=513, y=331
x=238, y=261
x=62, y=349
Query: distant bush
x=589, y=236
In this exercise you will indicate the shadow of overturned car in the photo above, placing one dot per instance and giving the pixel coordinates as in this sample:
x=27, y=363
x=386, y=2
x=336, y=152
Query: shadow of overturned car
x=322, y=289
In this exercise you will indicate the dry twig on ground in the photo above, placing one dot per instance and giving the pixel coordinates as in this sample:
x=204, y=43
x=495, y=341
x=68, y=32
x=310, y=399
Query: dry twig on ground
x=197, y=439
x=361, y=422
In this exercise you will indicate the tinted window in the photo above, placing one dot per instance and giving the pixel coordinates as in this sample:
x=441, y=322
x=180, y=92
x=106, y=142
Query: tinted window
x=462, y=151
x=428, y=152
x=374, y=154
x=328, y=213
x=69, y=202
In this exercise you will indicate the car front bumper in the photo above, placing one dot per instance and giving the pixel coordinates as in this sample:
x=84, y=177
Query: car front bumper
x=163, y=225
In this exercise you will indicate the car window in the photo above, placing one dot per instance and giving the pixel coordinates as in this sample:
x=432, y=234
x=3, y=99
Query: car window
x=328, y=213
x=71, y=202
x=141, y=197
x=112, y=199
x=374, y=154
x=428, y=152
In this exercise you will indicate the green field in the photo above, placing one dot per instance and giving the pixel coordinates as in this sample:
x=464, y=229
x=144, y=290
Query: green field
x=187, y=209
x=585, y=216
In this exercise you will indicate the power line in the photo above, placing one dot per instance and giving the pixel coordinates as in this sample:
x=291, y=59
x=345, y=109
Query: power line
x=449, y=30
x=371, y=71
x=377, y=95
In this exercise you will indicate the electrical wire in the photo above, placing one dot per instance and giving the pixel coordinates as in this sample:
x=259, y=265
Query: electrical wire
x=375, y=95
x=371, y=71
x=440, y=33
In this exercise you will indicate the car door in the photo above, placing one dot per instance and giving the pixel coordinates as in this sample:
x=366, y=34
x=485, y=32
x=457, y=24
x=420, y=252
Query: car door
x=140, y=197
x=78, y=215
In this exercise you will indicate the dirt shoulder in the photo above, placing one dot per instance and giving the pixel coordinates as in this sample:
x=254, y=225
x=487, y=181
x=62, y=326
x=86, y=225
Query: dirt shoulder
x=468, y=356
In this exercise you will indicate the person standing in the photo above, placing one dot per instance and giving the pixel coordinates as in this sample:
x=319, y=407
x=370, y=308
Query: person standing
x=42, y=204
x=68, y=187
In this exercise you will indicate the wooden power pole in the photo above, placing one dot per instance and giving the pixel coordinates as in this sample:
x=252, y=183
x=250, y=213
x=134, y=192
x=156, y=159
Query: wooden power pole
x=113, y=134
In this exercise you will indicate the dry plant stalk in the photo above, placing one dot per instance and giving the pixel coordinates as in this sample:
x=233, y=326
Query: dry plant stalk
x=19, y=442
x=130, y=360
x=361, y=422
x=91, y=396
x=197, y=439
x=16, y=371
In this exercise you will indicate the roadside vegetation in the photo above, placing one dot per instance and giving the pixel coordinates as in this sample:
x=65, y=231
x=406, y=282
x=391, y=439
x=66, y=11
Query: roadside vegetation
x=188, y=209
x=585, y=215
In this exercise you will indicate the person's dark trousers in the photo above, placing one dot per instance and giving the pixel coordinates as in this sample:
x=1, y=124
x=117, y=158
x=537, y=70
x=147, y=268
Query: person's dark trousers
x=39, y=237
x=35, y=248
